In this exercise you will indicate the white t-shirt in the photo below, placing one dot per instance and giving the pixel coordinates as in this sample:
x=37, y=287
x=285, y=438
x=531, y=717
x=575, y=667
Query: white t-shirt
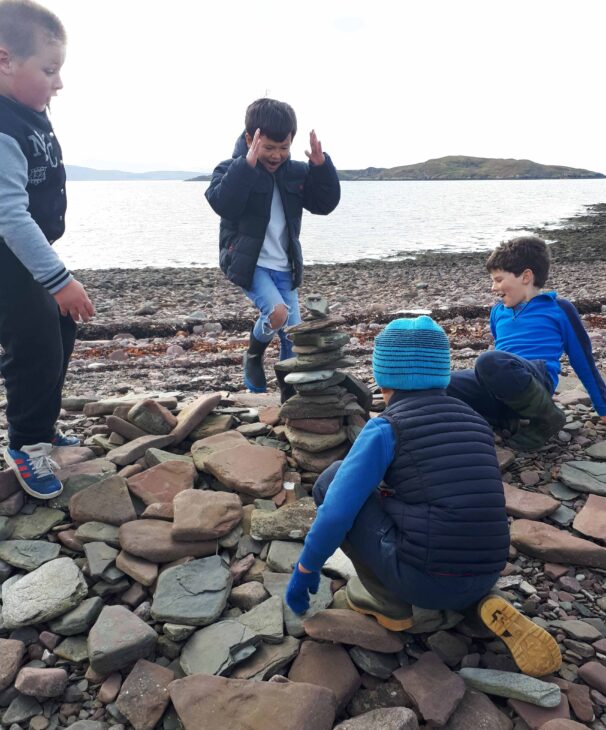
x=274, y=252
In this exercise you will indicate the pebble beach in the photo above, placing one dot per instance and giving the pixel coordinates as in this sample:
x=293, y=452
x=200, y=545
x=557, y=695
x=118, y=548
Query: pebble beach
x=150, y=593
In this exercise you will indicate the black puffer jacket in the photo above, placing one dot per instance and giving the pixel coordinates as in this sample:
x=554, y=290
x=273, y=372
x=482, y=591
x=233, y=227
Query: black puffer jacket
x=242, y=196
x=448, y=501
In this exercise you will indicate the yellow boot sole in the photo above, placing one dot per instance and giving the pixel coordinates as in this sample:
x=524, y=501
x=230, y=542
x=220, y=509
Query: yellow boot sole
x=533, y=649
x=393, y=624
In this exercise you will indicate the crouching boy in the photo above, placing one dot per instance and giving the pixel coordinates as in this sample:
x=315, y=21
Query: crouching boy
x=418, y=503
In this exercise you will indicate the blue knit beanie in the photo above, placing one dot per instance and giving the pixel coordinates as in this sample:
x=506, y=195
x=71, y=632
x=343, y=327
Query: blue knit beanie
x=412, y=354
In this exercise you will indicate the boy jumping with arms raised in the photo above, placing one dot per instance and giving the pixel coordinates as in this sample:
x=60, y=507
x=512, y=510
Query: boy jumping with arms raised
x=260, y=195
x=40, y=301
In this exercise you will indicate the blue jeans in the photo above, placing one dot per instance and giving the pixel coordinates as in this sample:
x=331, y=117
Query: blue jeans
x=498, y=377
x=270, y=288
x=372, y=542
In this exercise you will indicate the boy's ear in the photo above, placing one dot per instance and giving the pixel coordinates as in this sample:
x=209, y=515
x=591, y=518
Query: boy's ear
x=5, y=60
x=527, y=276
x=248, y=139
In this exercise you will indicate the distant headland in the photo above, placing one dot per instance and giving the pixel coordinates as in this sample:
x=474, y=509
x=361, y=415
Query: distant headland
x=460, y=167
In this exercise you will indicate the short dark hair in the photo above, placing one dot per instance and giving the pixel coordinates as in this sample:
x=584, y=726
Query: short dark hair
x=19, y=20
x=519, y=254
x=275, y=119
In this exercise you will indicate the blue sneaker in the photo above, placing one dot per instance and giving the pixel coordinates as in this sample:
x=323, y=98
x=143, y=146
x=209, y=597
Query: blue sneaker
x=60, y=439
x=34, y=469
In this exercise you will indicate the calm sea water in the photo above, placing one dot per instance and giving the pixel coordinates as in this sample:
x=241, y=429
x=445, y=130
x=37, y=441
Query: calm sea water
x=137, y=224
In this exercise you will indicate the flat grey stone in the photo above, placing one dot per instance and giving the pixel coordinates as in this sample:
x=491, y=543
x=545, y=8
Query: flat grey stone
x=178, y=632
x=21, y=709
x=276, y=583
x=73, y=649
x=597, y=450
x=516, y=686
x=577, y=629
x=5, y=528
x=98, y=532
x=28, y=554
x=79, y=620
x=561, y=491
x=217, y=648
x=563, y=515
x=311, y=376
x=49, y=591
x=385, y=718
x=194, y=593
x=88, y=725
x=31, y=527
x=373, y=662
x=266, y=620
x=317, y=306
x=118, y=639
x=283, y=555
x=268, y=660
x=100, y=557
x=232, y=538
x=585, y=476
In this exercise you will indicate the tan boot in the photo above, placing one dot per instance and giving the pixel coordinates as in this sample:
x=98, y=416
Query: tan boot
x=392, y=614
x=533, y=649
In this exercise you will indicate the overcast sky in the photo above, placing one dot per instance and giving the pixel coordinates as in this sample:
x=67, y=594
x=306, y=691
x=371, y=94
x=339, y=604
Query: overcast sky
x=153, y=84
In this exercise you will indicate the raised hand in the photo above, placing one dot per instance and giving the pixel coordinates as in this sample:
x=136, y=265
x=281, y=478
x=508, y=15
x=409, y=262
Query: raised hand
x=316, y=156
x=253, y=151
x=73, y=300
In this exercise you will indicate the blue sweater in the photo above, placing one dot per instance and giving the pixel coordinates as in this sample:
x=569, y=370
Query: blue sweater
x=543, y=329
x=358, y=476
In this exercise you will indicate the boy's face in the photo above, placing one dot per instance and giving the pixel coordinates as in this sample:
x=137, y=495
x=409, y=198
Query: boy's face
x=271, y=153
x=512, y=289
x=33, y=81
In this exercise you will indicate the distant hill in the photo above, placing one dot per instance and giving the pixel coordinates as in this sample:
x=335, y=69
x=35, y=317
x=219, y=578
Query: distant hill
x=74, y=172
x=460, y=167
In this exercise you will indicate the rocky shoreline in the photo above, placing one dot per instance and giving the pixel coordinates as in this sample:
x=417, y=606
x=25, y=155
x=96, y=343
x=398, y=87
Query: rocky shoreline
x=149, y=594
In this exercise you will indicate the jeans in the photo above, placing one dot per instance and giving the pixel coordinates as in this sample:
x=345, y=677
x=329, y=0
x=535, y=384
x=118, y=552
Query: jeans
x=270, y=288
x=498, y=377
x=372, y=541
x=37, y=342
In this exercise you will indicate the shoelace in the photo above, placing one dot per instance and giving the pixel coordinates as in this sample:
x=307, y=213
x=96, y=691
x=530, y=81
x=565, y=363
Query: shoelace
x=42, y=465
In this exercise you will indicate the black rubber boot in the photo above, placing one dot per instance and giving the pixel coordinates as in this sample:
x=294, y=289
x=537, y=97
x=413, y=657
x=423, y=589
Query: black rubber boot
x=546, y=419
x=254, y=374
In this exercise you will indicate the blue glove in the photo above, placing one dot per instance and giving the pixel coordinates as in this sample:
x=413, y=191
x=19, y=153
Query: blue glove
x=297, y=596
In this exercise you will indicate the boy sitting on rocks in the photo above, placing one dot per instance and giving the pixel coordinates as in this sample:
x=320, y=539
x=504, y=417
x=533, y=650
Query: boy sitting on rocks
x=531, y=330
x=435, y=534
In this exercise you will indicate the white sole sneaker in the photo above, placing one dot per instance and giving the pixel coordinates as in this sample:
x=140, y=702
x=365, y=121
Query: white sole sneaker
x=24, y=485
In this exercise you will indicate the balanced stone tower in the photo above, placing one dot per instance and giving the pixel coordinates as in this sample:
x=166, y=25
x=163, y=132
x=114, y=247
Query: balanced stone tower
x=324, y=408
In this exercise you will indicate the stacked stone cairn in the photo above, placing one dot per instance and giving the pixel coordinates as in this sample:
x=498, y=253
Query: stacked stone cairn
x=325, y=408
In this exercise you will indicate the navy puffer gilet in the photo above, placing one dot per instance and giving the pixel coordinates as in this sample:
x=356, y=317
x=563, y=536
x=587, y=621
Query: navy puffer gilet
x=447, y=496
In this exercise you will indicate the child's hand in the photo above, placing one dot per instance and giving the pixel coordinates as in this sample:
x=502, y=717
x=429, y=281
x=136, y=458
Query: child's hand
x=73, y=300
x=316, y=156
x=300, y=585
x=253, y=151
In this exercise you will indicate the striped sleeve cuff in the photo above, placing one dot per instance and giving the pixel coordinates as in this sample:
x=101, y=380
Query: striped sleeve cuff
x=57, y=281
